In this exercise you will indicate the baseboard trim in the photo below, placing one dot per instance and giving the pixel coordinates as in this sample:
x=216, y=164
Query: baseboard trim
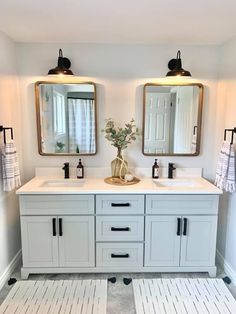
x=230, y=272
x=10, y=268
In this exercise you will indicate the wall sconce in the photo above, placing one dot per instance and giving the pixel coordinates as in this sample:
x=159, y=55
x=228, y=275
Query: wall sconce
x=175, y=66
x=63, y=66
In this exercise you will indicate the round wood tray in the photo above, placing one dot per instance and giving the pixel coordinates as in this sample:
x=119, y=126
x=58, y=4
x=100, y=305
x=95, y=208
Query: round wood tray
x=118, y=181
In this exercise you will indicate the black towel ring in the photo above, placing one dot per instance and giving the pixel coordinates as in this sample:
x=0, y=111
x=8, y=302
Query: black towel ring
x=232, y=134
x=3, y=129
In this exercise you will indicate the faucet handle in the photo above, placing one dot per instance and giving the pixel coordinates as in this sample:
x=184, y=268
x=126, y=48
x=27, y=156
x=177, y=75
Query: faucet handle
x=66, y=169
x=171, y=165
x=66, y=165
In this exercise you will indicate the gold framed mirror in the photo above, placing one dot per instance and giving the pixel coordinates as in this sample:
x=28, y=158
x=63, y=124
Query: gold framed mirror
x=172, y=115
x=66, y=118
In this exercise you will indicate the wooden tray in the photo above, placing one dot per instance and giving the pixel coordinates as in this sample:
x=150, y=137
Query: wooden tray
x=118, y=181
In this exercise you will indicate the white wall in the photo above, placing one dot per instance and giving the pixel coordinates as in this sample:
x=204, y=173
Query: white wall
x=9, y=116
x=227, y=114
x=119, y=72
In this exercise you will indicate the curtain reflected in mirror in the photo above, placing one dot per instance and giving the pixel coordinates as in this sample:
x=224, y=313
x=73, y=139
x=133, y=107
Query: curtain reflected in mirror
x=66, y=115
x=81, y=125
x=172, y=119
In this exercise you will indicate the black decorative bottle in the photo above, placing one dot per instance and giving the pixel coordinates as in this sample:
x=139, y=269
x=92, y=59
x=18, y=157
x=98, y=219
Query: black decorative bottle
x=155, y=170
x=80, y=170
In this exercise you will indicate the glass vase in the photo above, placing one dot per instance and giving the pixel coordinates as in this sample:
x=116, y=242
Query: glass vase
x=119, y=166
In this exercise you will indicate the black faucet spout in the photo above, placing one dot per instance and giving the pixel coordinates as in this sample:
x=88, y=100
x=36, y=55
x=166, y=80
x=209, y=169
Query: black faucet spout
x=66, y=170
x=171, y=168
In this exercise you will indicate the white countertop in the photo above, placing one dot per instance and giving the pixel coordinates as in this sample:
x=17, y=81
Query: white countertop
x=55, y=185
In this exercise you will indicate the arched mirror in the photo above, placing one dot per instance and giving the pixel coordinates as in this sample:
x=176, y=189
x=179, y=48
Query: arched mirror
x=172, y=119
x=66, y=118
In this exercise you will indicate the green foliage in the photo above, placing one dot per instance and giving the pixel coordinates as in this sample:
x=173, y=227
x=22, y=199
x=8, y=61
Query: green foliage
x=120, y=137
x=60, y=146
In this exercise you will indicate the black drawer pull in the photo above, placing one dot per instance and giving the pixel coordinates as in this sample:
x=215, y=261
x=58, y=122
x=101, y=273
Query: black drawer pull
x=120, y=204
x=185, y=226
x=54, y=230
x=120, y=229
x=119, y=255
x=60, y=227
x=178, y=226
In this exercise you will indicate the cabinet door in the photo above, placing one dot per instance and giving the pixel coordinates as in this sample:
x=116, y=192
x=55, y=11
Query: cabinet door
x=162, y=244
x=198, y=242
x=76, y=241
x=39, y=241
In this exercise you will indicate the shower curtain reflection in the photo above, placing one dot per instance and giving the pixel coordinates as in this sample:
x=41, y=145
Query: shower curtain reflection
x=81, y=126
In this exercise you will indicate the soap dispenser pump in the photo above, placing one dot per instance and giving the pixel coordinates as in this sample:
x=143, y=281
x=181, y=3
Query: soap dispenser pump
x=80, y=170
x=155, y=170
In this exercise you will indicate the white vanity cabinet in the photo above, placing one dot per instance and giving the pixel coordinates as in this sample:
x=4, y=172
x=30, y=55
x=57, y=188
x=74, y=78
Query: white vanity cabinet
x=39, y=246
x=56, y=233
x=58, y=241
x=162, y=245
x=198, y=242
x=185, y=241
x=76, y=244
x=185, y=236
x=65, y=233
x=119, y=231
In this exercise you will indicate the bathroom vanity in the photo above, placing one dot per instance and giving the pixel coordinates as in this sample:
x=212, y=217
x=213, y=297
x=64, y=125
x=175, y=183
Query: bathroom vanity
x=89, y=226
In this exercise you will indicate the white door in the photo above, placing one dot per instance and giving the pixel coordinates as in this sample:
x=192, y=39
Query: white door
x=157, y=123
x=39, y=241
x=162, y=243
x=199, y=244
x=76, y=241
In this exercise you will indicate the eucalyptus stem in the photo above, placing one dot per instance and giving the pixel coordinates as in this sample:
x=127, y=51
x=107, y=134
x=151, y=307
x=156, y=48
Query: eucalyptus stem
x=120, y=137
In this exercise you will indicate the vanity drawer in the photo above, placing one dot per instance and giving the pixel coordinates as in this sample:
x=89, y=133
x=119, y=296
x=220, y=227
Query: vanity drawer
x=118, y=228
x=119, y=254
x=120, y=204
x=56, y=204
x=182, y=204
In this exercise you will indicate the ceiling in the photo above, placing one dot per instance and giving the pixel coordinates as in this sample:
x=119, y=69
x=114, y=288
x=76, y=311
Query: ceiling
x=121, y=21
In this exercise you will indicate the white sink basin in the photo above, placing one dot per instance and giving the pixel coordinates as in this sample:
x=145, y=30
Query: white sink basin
x=63, y=183
x=177, y=183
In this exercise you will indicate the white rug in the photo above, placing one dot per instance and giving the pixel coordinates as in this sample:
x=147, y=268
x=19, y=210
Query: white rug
x=62, y=296
x=183, y=296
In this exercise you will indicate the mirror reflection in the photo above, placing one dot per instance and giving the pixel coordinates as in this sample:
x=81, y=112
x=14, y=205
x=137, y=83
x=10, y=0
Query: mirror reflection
x=172, y=119
x=66, y=115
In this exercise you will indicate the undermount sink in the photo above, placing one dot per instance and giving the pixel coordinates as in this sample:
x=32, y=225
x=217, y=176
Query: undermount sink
x=175, y=183
x=63, y=183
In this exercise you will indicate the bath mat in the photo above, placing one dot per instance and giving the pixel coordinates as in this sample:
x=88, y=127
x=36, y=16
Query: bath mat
x=57, y=297
x=182, y=296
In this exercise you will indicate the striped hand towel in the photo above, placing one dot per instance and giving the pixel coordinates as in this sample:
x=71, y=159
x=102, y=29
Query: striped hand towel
x=225, y=171
x=10, y=167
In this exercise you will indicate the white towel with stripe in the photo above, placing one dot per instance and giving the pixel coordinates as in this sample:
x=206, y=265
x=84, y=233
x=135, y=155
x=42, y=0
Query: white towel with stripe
x=225, y=171
x=10, y=167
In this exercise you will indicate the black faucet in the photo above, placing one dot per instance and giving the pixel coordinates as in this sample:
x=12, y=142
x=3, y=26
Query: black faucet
x=66, y=170
x=171, y=168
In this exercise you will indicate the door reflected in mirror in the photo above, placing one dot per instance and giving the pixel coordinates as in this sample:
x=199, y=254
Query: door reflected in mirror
x=172, y=119
x=66, y=117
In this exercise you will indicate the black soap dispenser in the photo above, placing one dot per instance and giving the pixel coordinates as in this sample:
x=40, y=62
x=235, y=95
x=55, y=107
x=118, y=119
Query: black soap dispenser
x=80, y=170
x=155, y=170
